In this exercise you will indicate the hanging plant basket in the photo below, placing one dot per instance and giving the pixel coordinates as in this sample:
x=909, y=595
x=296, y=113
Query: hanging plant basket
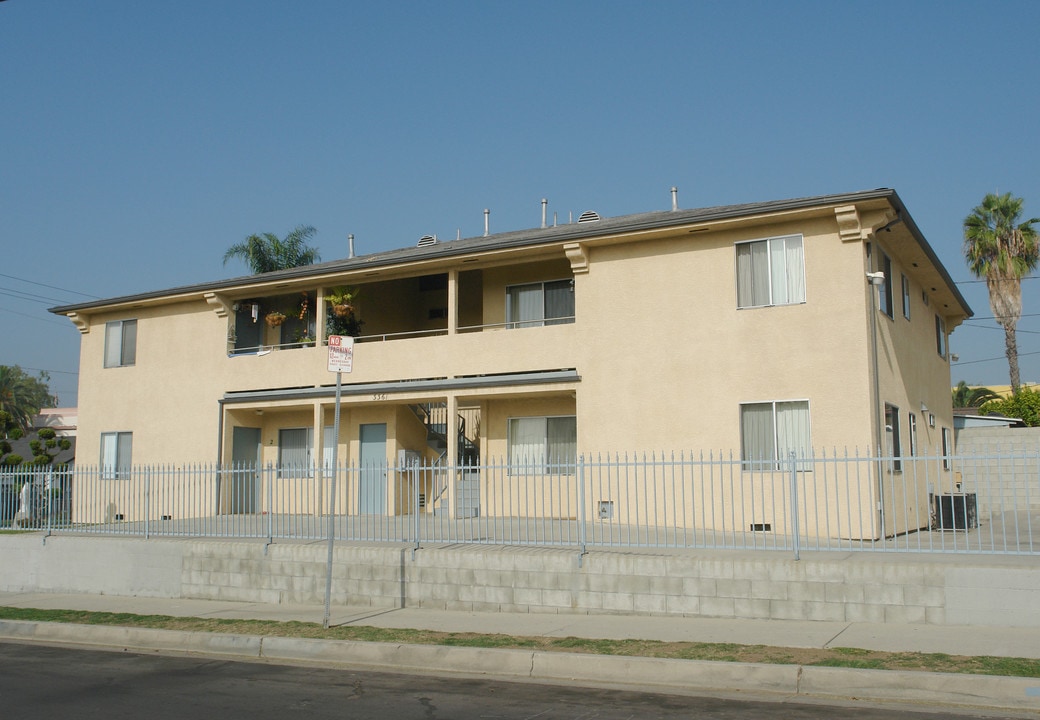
x=274, y=319
x=343, y=309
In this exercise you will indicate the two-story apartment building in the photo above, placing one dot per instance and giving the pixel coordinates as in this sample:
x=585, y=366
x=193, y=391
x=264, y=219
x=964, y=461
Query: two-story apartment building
x=751, y=329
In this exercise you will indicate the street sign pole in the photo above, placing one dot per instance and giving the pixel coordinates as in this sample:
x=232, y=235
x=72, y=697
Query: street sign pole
x=341, y=360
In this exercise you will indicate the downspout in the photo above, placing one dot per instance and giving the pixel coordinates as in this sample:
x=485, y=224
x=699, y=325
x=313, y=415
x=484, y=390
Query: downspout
x=872, y=280
x=220, y=433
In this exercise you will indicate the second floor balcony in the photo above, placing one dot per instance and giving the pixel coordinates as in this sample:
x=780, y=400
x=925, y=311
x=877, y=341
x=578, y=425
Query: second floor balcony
x=424, y=326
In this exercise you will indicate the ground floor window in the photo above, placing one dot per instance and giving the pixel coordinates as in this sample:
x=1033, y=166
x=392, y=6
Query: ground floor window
x=116, y=454
x=892, y=446
x=543, y=444
x=912, y=419
x=769, y=431
x=947, y=448
x=294, y=452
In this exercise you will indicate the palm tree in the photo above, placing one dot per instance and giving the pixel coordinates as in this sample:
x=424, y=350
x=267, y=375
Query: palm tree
x=965, y=396
x=1003, y=250
x=265, y=253
x=22, y=395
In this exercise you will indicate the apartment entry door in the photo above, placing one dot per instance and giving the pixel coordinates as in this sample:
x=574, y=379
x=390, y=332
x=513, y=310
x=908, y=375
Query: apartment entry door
x=372, y=492
x=245, y=464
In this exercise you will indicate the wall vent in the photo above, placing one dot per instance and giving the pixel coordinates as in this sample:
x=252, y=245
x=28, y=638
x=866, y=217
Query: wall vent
x=588, y=216
x=427, y=240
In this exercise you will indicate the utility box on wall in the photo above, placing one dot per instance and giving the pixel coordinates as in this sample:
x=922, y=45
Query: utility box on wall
x=958, y=511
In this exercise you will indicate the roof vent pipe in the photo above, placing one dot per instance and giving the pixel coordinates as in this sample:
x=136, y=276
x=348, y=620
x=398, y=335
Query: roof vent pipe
x=675, y=198
x=350, y=245
x=544, y=203
x=487, y=222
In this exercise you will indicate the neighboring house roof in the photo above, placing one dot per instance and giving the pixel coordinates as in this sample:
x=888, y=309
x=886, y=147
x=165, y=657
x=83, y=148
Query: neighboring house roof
x=571, y=232
x=62, y=420
x=963, y=420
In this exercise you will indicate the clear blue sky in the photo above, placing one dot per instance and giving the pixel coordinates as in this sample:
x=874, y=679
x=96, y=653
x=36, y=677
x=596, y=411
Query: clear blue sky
x=138, y=140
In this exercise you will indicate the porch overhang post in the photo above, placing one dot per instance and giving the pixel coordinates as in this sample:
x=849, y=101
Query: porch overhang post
x=453, y=301
x=320, y=329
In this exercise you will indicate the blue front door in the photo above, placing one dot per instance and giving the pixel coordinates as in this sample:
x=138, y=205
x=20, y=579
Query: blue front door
x=242, y=488
x=372, y=495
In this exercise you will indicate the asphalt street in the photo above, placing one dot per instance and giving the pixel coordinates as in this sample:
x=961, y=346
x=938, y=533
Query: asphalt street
x=38, y=681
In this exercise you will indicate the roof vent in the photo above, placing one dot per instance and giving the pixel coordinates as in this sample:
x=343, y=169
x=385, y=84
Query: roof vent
x=589, y=216
x=427, y=240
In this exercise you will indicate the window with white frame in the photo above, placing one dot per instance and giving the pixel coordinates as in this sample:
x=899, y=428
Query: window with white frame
x=770, y=431
x=947, y=448
x=543, y=444
x=120, y=343
x=770, y=272
x=912, y=420
x=116, y=454
x=885, y=301
x=542, y=303
x=892, y=447
x=940, y=336
x=906, y=297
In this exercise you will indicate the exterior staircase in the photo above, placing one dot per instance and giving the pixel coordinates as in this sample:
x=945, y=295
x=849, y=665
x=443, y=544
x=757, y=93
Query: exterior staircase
x=434, y=417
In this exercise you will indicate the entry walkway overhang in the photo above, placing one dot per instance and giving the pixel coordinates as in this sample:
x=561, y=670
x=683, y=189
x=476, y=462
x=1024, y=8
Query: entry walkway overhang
x=430, y=385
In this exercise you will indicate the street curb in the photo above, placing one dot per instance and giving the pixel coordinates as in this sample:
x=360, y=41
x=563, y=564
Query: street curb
x=649, y=674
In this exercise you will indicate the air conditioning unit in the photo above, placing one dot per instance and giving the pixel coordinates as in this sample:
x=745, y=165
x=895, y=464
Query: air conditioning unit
x=957, y=511
x=408, y=458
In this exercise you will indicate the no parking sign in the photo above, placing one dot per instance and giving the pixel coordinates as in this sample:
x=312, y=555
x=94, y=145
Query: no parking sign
x=341, y=353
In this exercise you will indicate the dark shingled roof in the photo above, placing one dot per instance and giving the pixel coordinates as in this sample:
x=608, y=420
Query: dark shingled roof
x=533, y=237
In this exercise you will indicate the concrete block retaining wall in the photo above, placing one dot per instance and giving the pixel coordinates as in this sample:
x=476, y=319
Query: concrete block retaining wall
x=1002, y=465
x=844, y=587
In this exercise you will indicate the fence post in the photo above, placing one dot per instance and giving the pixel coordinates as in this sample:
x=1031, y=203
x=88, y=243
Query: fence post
x=413, y=472
x=147, y=500
x=794, y=508
x=270, y=505
x=582, y=514
x=48, y=489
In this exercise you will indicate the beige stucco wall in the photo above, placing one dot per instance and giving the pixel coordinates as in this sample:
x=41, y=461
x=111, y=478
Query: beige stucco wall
x=664, y=355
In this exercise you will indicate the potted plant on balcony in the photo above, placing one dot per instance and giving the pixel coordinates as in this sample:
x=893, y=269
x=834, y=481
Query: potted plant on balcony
x=341, y=313
x=341, y=300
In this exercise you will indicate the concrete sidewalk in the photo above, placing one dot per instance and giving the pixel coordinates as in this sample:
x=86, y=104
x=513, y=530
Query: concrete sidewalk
x=956, y=693
x=953, y=640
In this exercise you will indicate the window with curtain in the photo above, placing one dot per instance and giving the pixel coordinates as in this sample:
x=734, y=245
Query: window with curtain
x=543, y=444
x=770, y=272
x=537, y=304
x=769, y=431
x=120, y=343
x=294, y=452
x=328, y=447
x=116, y=454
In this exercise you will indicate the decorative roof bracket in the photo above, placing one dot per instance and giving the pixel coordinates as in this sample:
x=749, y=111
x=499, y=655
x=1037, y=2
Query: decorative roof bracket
x=218, y=303
x=578, y=254
x=856, y=227
x=82, y=322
